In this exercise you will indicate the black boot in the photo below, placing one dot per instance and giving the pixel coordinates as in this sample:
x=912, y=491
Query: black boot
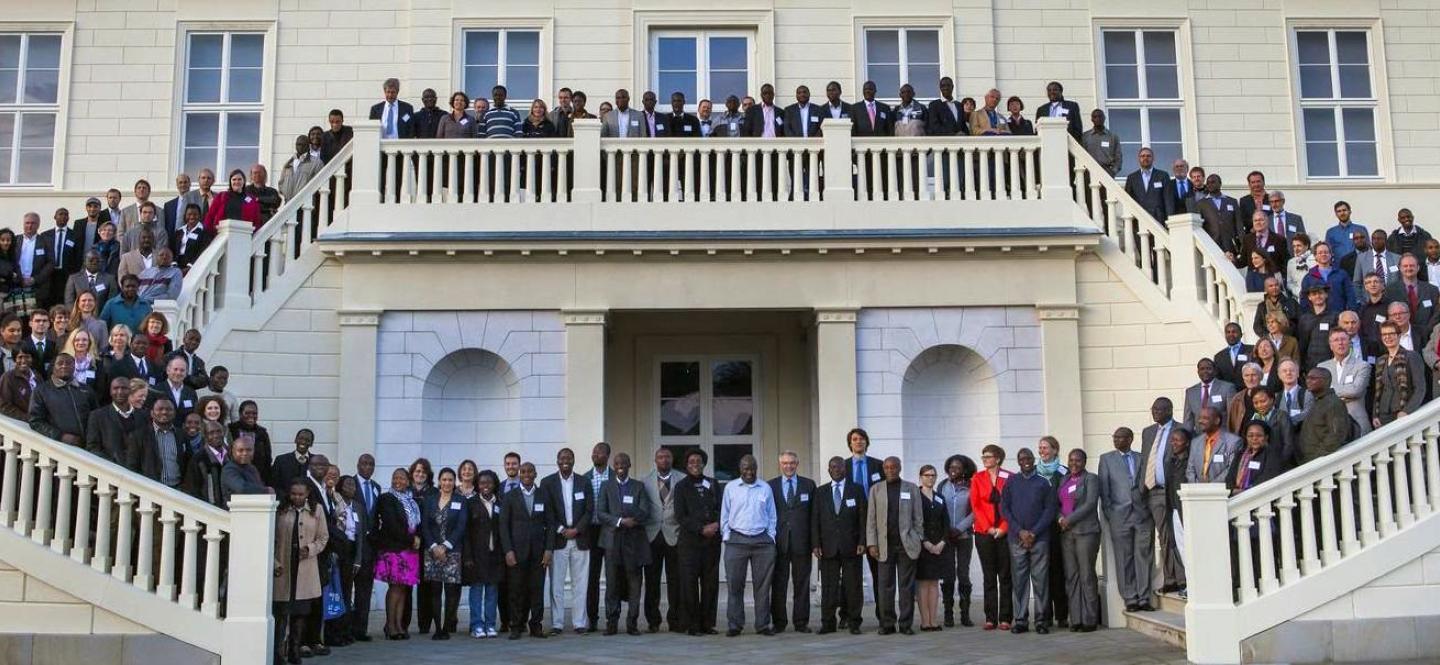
x=965, y=613
x=949, y=614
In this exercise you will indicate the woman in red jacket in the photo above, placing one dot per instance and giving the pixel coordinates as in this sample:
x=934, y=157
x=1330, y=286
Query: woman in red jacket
x=233, y=203
x=990, y=542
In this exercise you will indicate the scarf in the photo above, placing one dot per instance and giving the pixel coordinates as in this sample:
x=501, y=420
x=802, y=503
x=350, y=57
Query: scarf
x=412, y=509
x=1048, y=469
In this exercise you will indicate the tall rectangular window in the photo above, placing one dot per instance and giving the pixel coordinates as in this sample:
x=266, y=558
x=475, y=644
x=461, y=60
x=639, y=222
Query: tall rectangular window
x=502, y=57
x=706, y=64
x=1337, y=103
x=29, y=104
x=896, y=56
x=711, y=403
x=1142, y=92
x=222, y=101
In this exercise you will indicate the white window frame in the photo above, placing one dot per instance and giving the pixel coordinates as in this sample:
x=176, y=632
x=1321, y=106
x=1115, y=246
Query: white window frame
x=759, y=24
x=183, y=107
x=1384, y=160
x=904, y=55
x=707, y=440
x=944, y=23
x=1189, y=137
x=62, y=95
x=542, y=25
x=502, y=60
x=702, y=64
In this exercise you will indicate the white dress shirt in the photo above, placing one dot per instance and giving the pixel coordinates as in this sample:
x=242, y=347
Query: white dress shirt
x=27, y=255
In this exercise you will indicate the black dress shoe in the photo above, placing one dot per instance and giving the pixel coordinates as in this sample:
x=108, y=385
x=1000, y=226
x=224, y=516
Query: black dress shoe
x=1063, y=623
x=887, y=631
x=538, y=633
x=515, y=634
x=362, y=638
x=1146, y=607
x=1132, y=607
x=907, y=631
x=1042, y=629
x=554, y=631
x=1018, y=629
x=778, y=628
x=320, y=650
x=1088, y=628
x=854, y=630
x=1075, y=627
x=733, y=632
x=767, y=632
x=825, y=630
x=802, y=629
x=966, y=622
x=632, y=631
x=612, y=630
x=652, y=628
x=709, y=631
x=592, y=629
x=949, y=622
x=693, y=632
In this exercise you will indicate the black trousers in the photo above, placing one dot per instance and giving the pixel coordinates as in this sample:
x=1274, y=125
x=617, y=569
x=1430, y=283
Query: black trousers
x=527, y=593
x=840, y=590
x=1057, y=610
x=622, y=583
x=663, y=560
x=699, y=583
x=792, y=569
x=444, y=620
x=957, y=574
x=364, y=585
x=995, y=570
x=592, y=588
x=336, y=630
x=419, y=605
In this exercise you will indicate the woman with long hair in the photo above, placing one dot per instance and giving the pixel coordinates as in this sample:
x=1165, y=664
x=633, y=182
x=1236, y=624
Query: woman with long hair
x=442, y=539
x=85, y=315
x=88, y=371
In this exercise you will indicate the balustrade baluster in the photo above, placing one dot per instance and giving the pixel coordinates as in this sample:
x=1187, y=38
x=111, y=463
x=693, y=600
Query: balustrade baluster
x=100, y=561
x=815, y=193
x=1309, y=551
x=1400, y=457
x=189, y=562
x=1147, y=243
x=862, y=182
x=144, y=560
x=1162, y=270
x=210, y=604
x=124, y=537
x=1015, y=191
x=514, y=161
x=80, y=550
x=27, y=492
x=10, y=490
x=165, y=588
x=40, y=534
x=987, y=168
x=60, y=543
x=1212, y=291
x=485, y=190
x=423, y=181
x=1244, y=564
x=1348, y=526
x=1384, y=493
x=897, y=166
x=1289, y=569
x=1420, y=503
x=972, y=179
x=1368, y=535
x=1432, y=466
x=957, y=174
x=1265, y=514
x=565, y=158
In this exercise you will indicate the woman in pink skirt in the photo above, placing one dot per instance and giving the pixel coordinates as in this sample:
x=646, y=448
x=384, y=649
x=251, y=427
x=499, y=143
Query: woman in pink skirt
x=398, y=543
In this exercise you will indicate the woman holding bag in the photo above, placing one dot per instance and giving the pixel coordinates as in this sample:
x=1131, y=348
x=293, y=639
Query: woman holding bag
x=300, y=537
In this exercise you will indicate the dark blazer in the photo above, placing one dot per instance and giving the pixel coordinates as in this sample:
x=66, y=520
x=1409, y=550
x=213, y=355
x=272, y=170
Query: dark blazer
x=1228, y=371
x=41, y=362
x=792, y=520
x=1276, y=247
x=838, y=535
x=1085, y=518
x=792, y=120
x=174, y=213
x=198, y=377
x=697, y=503
x=430, y=534
x=884, y=119
x=481, y=560
x=143, y=451
x=683, y=125
x=872, y=466
x=939, y=121
x=427, y=121
x=183, y=407
x=826, y=109
x=631, y=545
x=198, y=242
x=582, y=507
x=1423, y=318
x=1265, y=465
x=334, y=141
x=392, y=531
x=754, y=124
x=72, y=252
x=1220, y=221
x=285, y=469
x=404, y=124
x=1181, y=202
x=1072, y=114
x=107, y=434
x=130, y=369
x=105, y=288
x=1154, y=199
x=526, y=533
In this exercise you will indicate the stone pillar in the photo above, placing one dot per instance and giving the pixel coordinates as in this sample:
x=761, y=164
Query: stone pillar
x=365, y=163
x=1210, y=609
x=358, y=350
x=838, y=151
x=1054, y=159
x=237, y=234
x=249, y=635
x=584, y=378
x=585, y=156
x=1060, y=347
x=836, y=410
x=1184, y=268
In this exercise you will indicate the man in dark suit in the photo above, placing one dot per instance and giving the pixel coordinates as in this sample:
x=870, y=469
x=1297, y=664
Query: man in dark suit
x=39, y=345
x=834, y=107
x=1218, y=213
x=108, y=429
x=1247, y=206
x=292, y=465
x=872, y=118
x=677, y=122
x=367, y=493
x=1059, y=107
x=92, y=279
x=174, y=387
x=1236, y=353
x=62, y=247
x=837, y=528
x=427, y=118
x=190, y=240
x=697, y=510
x=596, y=477
x=1149, y=187
x=803, y=119
x=793, y=495
x=396, y=117
x=1259, y=236
x=764, y=120
x=155, y=442
x=1155, y=462
x=1409, y=238
x=336, y=137
x=624, y=507
x=942, y=118
x=136, y=365
x=569, y=495
x=1419, y=295
x=864, y=471
x=526, y=538
x=174, y=209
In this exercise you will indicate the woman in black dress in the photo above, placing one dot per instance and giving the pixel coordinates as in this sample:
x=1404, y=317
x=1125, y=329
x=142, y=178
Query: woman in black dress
x=931, y=568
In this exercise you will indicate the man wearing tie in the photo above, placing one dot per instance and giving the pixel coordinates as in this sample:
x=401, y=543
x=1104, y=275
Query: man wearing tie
x=39, y=345
x=1181, y=190
x=1155, y=457
x=1282, y=221
x=1419, y=294
x=527, y=539
x=61, y=247
x=394, y=115
x=624, y=508
x=1209, y=392
x=793, y=496
x=864, y=471
x=872, y=118
x=368, y=492
x=661, y=532
x=1059, y=107
x=1148, y=186
x=942, y=118
x=837, y=534
x=1132, y=540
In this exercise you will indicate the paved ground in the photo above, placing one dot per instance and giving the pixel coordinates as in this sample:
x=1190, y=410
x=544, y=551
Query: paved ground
x=969, y=645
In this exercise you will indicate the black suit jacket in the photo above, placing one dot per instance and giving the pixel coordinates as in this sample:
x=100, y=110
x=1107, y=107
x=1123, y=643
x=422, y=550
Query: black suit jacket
x=939, y=121
x=1228, y=371
x=285, y=469
x=838, y=535
x=1245, y=208
x=200, y=239
x=334, y=141
x=183, y=407
x=754, y=124
x=628, y=544
x=174, y=214
x=404, y=125
x=697, y=503
x=1072, y=115
x=41, y=362
x=884, y=119
x=197, y=378
x=874, y=472
x=582, y=507
x=107, y=434
x=73, y=251
x=1222, y=224
x=143, y=451
x=526, y=533
x=426, y=122
x=683, y=125
x=1155, y=199
x=792, y=520
x=127, y=367
x=792, y=120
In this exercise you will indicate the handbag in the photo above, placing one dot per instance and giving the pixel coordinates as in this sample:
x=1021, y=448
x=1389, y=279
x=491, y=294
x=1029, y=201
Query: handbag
x=333, y=598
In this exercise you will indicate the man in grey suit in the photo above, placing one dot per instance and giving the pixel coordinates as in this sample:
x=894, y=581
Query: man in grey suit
x=747, y=525
x=1210, y=391
x=1411, y=288
x=1212, y=451
x=1080, y=541
x=1388, y=266
x=894, y=526
x=624, y=508
x=623, y=122
x=1283, y=221
x=661, y=531
x=1153, y=482
x=1217, y=211
x=1132, y=540
x=793, y=560
x=1351, y=376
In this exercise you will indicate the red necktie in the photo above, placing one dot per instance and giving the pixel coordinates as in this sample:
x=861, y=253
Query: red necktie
x=871, y=108
x=1204, y=395
x=1414, y=299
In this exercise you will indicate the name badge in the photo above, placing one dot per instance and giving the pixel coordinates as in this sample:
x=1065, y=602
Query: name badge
x=1350, y=379
x=814, y=119
x=1216, y=399
x=539, y=507
x=187, y=404
x=1159, y=185
x=874, y=477
x=1379, y=318
x=1291, y=227
x=1270, y=248
x=1241, y=357
x=464, y=121
x=579, y=496
x=734, y=126
x=152, y=380
x=804, y=498
x=1104, y=144
x=627, y=499
x=1265, y=207
x=1426, y=303
x=1254, y=466
x=1004, y=474
x=904, y=496
x=1072, y=489
x=1217, y=459
x=99, y=288
x=1394, y=269
x=634, y=123
x=779, y=120
x=849, y=503
x=688, y=129
x=844, y=116
x=1295, y=413
x=69, y=243
x=1324, y=326
x=1229, y=208
x=454, y=505
x=249, y=199
x=882, y=115
x=497, y=510
x=39, y=252
x=85, y=375
x=405, y=118
x=1064, y=110
x=705, y=484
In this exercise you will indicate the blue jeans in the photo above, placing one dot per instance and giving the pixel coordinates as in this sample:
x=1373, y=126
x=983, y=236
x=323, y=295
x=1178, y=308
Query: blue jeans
x=483, y=599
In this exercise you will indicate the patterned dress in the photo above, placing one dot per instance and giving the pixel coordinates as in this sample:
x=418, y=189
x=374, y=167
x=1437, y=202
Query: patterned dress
x=446, y=570
x=401, y=566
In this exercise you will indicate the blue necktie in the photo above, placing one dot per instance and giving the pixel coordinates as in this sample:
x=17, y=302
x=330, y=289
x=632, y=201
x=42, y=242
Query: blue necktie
x=837, y=497
x=789, y=490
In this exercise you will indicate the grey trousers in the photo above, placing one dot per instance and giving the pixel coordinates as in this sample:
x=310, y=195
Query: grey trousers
x=1133, y=546
x=753, y=554
x=1080, y=551
x=1172, y=567
x=1030, y=568
x=897, y=573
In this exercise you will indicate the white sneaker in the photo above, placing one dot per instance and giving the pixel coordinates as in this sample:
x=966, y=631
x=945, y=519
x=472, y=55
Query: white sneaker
x=478, y=633
x=491, y=633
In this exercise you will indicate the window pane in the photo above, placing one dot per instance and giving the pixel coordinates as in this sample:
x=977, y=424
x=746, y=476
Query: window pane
x=42, y=86
x=1359, y=124
x=194, y=159
x=727, y=460
x=732, y=379
x=242, y=129
x=7, y=140
x=202, y=130
x=205, y=51
x=1122, y=82
x=1321, y=160
x=1319, y=125
x=34, y=167
x=676, y=53
x=8, y=80
x=923, y=46
x=5, y=154
x=1162, y=82
x=733, y=407
x=482, y=48
x=9, y=51
x=684, y=82
x=1126, y=124
x=925, y=79
x=240, y=158
x=882, y=46
x=247, y=50
x=522, y=81
x=37, y=130
x=679, y=379
x=729, y=53
x=1119, y=48
x=244, y=85
x=1354, y=81
x=1315, y=82
x=1165, y=153
x=680, y=417
x=1159, y=48
x=1351, y=48
x=1360, y=159
x=1313, y=48
x=203, y=86
x=479, y=80
x=723, y=84
x=1165, y=125
x=522, y=47
x=886, y=78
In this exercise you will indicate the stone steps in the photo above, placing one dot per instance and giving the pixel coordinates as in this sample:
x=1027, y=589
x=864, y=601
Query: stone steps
x=1172, y=602
x=1163, y=625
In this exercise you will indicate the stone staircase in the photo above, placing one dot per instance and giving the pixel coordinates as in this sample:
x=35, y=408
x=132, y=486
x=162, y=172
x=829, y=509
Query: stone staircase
x=1166, y=624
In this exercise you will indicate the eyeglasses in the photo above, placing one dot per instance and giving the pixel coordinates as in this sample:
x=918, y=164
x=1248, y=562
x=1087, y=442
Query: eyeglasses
x=928, y=474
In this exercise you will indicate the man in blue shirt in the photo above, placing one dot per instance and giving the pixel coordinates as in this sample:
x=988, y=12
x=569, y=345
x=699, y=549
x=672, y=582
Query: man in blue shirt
x=128, y=309
x=747, y=525
x=1029, y=505
x=1339, y=236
